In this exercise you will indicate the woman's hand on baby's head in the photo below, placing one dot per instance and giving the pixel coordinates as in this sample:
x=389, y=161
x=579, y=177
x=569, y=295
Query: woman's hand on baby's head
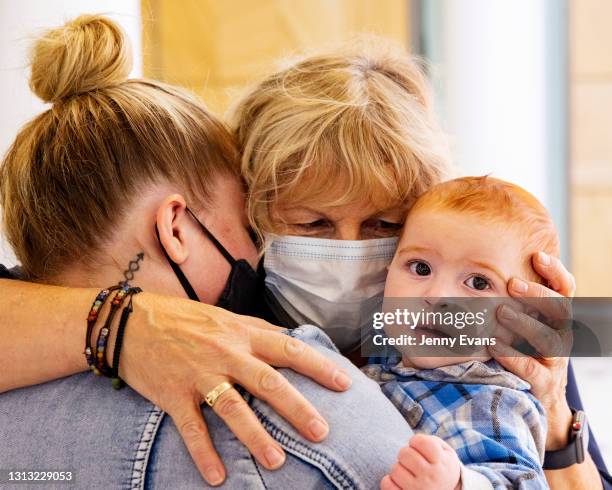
x=545, y=328
x=559, y=282
x=426, y=462
x=547, y=373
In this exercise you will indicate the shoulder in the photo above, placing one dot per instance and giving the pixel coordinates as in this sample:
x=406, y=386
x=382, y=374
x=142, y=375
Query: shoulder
x=366, y=431
x=82, y=421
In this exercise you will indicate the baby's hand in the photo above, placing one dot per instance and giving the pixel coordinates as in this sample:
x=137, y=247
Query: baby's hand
x=427, y=462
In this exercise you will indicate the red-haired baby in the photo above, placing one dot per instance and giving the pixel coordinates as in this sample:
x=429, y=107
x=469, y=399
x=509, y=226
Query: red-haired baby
x=476, y=424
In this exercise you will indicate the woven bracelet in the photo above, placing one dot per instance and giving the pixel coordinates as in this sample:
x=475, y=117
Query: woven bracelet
x=101, y=367
x=92, y=318
x=117, y=382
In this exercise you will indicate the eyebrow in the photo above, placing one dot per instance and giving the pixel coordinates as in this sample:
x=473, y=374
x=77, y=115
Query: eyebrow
x=328, y=215
x=489, y=267
x=414, y=249
x=302, y=209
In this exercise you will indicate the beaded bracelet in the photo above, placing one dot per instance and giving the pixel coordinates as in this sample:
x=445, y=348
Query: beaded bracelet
x=91, y=322
x=117, y=382
x=101, y=367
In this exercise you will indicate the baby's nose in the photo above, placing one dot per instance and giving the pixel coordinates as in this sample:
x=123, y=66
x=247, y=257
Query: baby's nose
x=438, y=292
x=440, y=302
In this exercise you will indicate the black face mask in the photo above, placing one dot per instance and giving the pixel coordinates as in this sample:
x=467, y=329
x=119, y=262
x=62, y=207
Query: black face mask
x=244, y=285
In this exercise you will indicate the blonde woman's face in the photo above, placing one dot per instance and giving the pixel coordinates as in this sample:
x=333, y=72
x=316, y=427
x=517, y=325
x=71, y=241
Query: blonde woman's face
x=334, y=209
x=352, y=221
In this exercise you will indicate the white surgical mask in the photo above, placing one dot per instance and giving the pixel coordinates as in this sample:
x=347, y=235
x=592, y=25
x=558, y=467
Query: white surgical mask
x=334, y=284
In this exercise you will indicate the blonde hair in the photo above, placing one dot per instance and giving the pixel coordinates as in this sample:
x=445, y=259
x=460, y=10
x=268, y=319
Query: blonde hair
x=498, y=201
x=73, y=171
x=361, y=114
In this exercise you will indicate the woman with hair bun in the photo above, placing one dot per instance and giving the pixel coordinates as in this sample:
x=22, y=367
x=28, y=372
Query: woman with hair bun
x=120, y=172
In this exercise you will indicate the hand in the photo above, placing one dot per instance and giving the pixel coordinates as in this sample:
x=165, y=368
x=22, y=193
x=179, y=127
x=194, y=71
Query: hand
x=427, y=462
x=547, y=375
x=176, y=351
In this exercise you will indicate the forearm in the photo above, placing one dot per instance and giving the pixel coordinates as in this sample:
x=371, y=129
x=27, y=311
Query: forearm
x=41, y=332
x=582, y=476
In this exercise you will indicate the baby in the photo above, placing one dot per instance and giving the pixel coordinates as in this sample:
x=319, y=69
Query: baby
x=464, y=239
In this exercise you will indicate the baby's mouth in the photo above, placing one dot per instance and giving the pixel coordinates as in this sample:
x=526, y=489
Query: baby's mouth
x=453, y=348
x=432, y=331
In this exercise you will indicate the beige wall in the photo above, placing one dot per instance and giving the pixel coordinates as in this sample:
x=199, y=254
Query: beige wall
x=591, y=145
x=216, y=47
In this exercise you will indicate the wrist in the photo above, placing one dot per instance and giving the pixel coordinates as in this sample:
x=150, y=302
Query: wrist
x=141, y=325
x=559, y=423
x=108, y=315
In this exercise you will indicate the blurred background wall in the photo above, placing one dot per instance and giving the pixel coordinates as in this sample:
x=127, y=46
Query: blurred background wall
x=590, y=158
x=216, y=48
x=590, y=184
x=212, y=47
x=523, y=87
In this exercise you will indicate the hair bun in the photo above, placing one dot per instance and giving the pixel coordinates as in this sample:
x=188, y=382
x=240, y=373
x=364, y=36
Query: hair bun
x=87, y=53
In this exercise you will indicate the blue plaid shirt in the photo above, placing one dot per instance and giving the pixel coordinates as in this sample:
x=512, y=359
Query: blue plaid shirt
x=485, y=413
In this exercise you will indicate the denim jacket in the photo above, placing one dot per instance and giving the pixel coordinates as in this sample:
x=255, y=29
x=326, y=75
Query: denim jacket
x=117, y=439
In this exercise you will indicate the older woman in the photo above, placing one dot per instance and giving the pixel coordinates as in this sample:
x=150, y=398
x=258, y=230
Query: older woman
x=334, y=147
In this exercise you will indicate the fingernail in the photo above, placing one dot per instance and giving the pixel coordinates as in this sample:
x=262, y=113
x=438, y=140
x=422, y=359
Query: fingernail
x=519, y=286
x=543, y=258
x=213, y=476
x=318, y=429
x=508, y=313
x=274, y=457
x=342, y=380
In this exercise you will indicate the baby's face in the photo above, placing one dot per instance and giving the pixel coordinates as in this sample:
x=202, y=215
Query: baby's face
x=446, y=254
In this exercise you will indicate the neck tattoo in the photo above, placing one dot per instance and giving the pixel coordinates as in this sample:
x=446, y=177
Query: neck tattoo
x=133, y=267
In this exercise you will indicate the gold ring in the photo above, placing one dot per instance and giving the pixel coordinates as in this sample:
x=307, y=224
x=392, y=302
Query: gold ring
x=213, y=395
x=550, y=358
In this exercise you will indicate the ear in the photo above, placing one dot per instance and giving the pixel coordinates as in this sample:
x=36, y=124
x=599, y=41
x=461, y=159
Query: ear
x=172, y=223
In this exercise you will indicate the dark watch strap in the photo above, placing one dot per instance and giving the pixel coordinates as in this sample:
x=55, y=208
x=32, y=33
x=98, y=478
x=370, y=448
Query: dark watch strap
x=575, y=451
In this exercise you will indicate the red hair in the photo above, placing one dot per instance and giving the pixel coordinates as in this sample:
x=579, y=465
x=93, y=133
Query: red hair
x=497, y=201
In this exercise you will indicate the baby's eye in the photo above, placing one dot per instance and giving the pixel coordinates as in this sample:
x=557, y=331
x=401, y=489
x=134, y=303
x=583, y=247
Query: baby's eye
x=419, y=268
x=478, y=282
